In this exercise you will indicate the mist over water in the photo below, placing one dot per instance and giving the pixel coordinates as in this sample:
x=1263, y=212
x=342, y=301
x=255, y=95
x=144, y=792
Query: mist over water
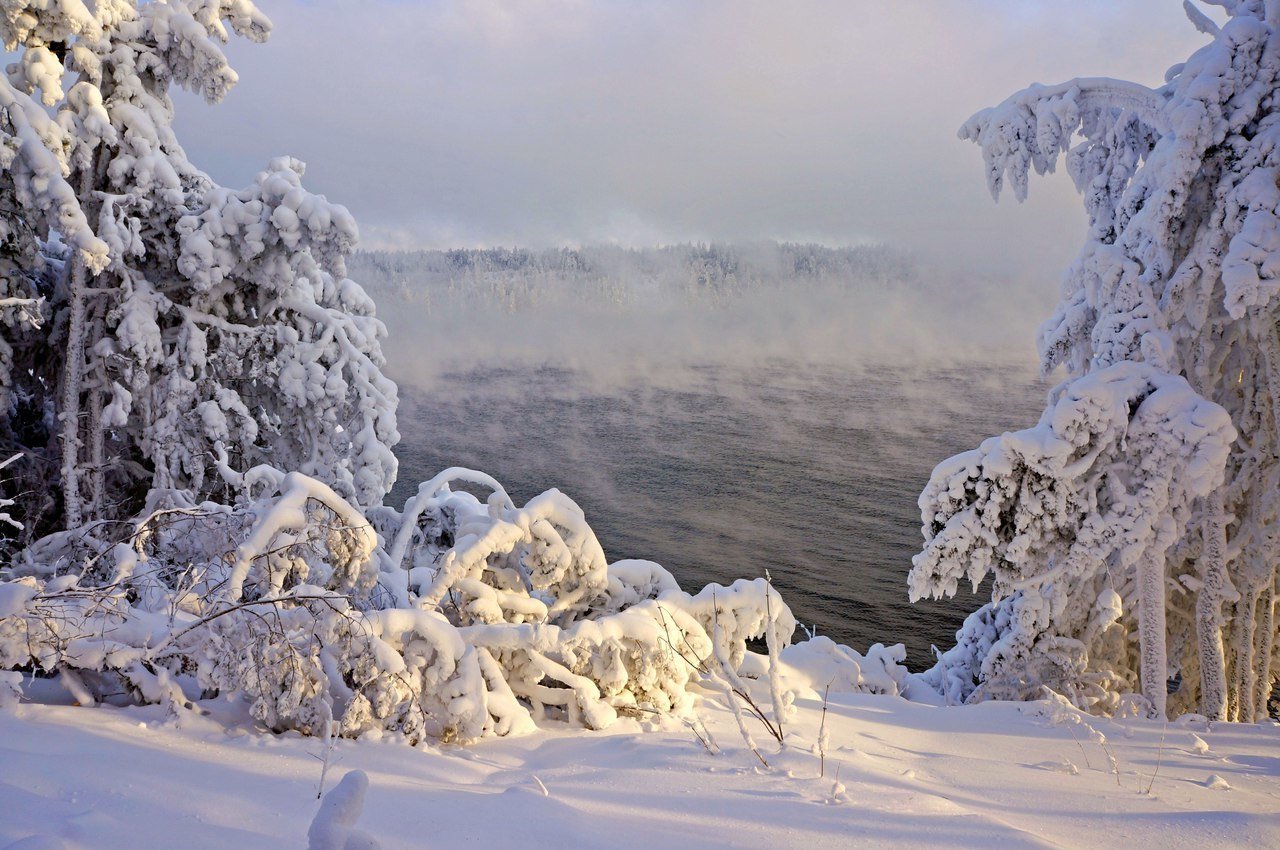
x=811, y=473
x=777, y=421
x=656, y=316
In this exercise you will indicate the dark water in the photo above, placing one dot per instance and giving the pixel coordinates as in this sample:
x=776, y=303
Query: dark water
x=810, y=472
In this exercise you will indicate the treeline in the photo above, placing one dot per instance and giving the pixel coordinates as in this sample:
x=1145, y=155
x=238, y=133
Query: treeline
x=518, y=277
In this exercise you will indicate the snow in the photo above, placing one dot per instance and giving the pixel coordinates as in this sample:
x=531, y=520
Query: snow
x=334, y=825
x=209, y=346
x=992, y=774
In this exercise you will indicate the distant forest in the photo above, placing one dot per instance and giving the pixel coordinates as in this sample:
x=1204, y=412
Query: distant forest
x=517, y=278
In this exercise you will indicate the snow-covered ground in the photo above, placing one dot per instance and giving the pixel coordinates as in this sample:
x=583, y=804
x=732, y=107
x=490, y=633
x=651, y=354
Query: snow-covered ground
x=910, y=774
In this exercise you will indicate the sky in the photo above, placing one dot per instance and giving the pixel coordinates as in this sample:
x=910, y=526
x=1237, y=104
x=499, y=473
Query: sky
x=472, y=123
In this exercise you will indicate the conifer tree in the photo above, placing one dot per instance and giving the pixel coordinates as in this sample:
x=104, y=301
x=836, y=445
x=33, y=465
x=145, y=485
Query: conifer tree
x=183, y=324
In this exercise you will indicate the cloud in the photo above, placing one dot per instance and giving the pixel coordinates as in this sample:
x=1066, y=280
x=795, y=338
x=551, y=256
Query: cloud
x=547, y=122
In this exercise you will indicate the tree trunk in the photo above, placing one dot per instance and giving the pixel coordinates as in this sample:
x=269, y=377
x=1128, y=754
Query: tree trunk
x=72, y=383
x=1213, y=573
x=1249, y=678
x=1153, y=664
x=1242, y=640
x=73, y=371
x=1267, y=620
x=97, y=459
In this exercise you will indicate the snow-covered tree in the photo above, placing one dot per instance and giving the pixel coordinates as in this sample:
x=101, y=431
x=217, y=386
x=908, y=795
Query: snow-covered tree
x=1135, y=513
x=184, y=318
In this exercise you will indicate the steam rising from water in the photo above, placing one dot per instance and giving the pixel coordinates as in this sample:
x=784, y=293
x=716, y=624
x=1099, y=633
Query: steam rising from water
x=655, y=316
x=719, y=410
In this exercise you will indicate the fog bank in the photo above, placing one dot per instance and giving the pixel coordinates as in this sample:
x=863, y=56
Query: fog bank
x=656, y=316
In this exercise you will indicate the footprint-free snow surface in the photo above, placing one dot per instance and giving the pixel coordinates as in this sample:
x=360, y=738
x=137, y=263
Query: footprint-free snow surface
x=895, y=773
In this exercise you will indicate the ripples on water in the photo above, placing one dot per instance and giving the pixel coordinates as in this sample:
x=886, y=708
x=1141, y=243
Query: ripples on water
x=811, y=472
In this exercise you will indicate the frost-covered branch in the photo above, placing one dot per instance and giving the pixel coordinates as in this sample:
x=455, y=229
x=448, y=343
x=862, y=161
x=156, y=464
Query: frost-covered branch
x=1032, y=128
x=1084, y=504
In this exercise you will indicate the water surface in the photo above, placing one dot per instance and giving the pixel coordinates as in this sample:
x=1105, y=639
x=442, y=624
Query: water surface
x=811, y=472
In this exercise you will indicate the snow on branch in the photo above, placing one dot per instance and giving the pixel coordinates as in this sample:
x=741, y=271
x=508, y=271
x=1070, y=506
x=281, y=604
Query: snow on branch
x=1086, y=503
x=32, y=147
x=1199, y=19
x=349, y=541
x=1032, y=128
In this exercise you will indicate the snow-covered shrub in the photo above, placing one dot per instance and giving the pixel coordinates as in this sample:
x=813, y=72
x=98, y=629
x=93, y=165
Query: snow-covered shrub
x=821, y=665
x=1178, y=273
x=531, y=588
x=313, y=658
x=290, y=599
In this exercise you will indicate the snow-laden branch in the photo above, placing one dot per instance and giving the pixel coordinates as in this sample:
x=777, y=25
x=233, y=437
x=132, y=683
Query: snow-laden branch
x=429, y=490
x=1095, y=493
x=1032, y=128
x=352, y=564
x=30, y=151
x=1199, y=19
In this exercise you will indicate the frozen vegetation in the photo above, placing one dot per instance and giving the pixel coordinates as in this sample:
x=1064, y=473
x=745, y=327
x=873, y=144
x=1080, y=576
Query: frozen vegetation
x=200, y=437
x=1132, y=533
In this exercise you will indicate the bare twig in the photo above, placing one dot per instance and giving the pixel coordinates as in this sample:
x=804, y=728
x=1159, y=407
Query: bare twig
x=822, y=734
x=1159, y=759
x=771, y=642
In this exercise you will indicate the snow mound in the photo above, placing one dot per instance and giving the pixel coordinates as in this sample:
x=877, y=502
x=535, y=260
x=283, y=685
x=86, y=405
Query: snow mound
x=334, y=825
